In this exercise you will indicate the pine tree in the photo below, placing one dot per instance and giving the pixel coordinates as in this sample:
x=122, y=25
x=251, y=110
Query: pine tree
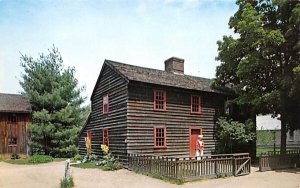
x=58, y=114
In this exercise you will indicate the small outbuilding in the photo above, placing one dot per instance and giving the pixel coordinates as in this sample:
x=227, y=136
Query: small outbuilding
x=15, y=116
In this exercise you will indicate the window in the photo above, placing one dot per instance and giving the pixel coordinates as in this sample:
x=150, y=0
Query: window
x=105, y=106
x=105, y=137
x=195, y=104
x=159, y=100
x=159, y=137
x=12, y=134
x=12, y=119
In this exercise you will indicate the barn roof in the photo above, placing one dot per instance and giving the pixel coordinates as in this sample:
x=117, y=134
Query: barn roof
x=14, y=103
x=160, y=77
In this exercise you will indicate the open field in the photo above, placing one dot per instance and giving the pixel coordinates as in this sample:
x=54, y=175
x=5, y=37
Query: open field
x=48, y=176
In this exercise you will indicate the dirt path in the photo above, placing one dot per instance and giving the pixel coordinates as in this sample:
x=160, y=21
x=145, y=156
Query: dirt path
x=48, y=176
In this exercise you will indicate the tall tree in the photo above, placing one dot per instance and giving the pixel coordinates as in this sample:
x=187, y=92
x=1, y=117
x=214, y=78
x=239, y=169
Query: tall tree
x=58, y=114
x=262, y=63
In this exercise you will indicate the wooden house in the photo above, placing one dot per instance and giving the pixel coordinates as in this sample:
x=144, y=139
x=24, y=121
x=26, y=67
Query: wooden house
x=15, y=116
x=148, y=111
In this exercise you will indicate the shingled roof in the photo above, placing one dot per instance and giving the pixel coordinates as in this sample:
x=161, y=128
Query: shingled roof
x=160, y=77
x=14, y=103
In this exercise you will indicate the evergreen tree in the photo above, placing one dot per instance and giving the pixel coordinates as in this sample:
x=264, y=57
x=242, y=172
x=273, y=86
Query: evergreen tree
x=262, y=63
x=58, y=114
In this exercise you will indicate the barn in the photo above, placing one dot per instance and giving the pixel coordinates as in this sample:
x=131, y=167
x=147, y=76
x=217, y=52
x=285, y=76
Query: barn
x=15, y=116
x=147, y=111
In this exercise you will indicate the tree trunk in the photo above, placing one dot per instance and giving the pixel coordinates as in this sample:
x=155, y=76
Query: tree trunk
x=283, y=135
x=283, y=117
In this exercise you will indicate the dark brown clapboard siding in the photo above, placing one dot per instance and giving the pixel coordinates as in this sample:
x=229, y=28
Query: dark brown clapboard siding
x=131, y=118
x=115, y=86
x=21, y=125
x=177, y=119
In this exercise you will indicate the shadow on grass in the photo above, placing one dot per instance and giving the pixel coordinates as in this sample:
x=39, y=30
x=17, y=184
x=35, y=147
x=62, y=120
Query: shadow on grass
x=289, y=170
x=27, y=162
x=18, y=161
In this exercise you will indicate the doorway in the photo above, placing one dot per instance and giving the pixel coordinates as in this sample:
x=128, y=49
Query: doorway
x=194, y=132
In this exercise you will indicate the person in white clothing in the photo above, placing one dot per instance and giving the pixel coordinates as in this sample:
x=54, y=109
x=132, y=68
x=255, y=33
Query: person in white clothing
x=199, y=146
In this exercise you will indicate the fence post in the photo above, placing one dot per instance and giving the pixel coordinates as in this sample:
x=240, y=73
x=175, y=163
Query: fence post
x=67, y=169
x=128, y=159
x=216, y=167
x=150, y=163
x=233, y=166
x=260, y=162
x=177, y=169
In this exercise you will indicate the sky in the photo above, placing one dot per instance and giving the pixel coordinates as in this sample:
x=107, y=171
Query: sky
x=138, y=32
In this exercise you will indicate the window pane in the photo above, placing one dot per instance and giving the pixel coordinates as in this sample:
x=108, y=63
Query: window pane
x=105, y=104
x=159, y=100
x=195, y=104
x=160, y=137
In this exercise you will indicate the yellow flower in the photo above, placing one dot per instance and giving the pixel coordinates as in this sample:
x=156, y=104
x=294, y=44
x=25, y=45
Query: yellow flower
x=104, y=148
x=88, y=145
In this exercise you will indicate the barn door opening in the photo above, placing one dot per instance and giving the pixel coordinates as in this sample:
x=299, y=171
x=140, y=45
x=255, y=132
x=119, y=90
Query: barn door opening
x=194, y=132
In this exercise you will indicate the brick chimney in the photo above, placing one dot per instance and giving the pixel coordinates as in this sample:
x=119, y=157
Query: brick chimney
x=174, y=65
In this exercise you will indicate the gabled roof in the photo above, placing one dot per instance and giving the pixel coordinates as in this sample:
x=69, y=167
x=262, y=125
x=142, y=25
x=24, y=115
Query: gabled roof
x=159, y=77
x=14, y=103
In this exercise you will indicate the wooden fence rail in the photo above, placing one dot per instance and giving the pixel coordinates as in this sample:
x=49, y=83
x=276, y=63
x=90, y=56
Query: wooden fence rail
x=187, y=169
x=273, y=161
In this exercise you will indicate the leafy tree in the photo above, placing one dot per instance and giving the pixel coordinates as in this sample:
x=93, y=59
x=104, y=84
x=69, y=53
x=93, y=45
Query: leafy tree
x=58, y=114
x=231, y=134
x=262, y=63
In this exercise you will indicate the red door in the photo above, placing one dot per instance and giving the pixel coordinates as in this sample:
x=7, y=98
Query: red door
x=194, y=132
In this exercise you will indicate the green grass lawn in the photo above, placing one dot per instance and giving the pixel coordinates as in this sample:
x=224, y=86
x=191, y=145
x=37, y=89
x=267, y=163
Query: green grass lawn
x=62, y=159
x=265, y=150
x=34, y=160
x=26, y=161
x=17, y=161
x=86, y=165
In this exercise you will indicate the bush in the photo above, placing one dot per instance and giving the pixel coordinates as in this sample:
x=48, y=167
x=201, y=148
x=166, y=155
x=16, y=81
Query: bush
x=35, y=159
x=77, y=157
x=109, y=162
x=231, y=134
x=89, y=158
x=67, y=182
x=14, y=156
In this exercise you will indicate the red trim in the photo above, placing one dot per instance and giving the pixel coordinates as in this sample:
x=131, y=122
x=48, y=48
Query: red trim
x=190, y=135
x=164, y=137
x=105, y=110
x=88, y=134
x=164, y=100
x=198, y=105
x=105, y=139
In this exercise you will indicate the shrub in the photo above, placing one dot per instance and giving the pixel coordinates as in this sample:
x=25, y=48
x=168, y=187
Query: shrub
x=14, y=156
x=78, y=157
x=231, y=134
x=67, y=182
x=89, y=158
x=109, y=162
x=35, y=159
